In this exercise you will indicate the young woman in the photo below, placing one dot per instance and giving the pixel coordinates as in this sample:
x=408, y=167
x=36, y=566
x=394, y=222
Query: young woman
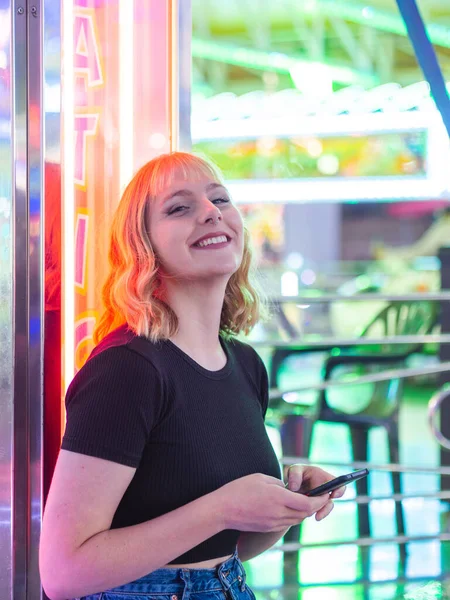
x=166, y=478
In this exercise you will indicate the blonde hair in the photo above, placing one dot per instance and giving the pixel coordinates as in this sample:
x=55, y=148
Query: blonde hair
x=133, y=291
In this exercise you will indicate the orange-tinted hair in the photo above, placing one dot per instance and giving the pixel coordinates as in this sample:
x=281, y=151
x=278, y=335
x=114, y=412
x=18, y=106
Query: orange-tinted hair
x=132, y=292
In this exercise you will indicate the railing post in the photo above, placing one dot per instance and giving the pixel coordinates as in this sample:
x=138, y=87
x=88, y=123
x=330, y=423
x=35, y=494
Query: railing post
x=444, y=355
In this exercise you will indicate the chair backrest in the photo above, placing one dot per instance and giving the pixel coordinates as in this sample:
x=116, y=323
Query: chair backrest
x=379, y=399
x=401, y=318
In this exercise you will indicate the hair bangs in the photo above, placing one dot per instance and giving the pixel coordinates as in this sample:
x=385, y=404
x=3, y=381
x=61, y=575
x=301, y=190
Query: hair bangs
x=183, y=166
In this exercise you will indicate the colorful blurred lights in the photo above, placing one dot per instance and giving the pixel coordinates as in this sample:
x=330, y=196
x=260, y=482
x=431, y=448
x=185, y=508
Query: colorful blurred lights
x=313, y=80
x=328, y=164
x=367, y=12
x=157, y=140
x=295, y=260
x=289, y=284
x=266, y=145
x=314, y=147
x=308, y=277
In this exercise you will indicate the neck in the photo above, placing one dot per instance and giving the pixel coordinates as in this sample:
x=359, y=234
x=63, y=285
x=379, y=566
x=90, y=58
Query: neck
x=198, y=306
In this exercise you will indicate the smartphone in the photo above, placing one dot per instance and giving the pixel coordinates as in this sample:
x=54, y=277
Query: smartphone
x=334, y=484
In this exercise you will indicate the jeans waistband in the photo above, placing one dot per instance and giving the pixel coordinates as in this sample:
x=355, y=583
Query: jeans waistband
x=178, y=581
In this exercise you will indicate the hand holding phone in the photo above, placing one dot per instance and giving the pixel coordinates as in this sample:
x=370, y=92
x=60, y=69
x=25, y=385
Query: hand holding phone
x=336, y=483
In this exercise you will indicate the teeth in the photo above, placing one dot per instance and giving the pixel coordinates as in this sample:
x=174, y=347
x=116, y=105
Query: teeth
x=214, y=240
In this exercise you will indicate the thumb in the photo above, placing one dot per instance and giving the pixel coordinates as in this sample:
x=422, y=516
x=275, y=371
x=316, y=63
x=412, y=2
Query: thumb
x=295, y=477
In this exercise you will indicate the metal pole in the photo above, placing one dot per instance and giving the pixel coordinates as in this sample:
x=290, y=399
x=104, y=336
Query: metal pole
x=426, y=57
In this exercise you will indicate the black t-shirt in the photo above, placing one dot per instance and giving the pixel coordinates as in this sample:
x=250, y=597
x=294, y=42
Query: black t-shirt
x=186, y=430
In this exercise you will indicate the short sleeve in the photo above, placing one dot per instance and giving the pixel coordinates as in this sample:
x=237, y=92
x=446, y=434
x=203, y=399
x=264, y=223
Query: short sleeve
x=112, y=405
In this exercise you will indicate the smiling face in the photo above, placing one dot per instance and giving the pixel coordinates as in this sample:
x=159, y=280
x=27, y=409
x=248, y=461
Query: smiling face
x=195, y=229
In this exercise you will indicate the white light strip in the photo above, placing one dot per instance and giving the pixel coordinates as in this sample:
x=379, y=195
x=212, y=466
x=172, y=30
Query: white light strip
x=126, y=91
x=68, y=199
x=334, y=190
x=174, y=80
x=354, y=100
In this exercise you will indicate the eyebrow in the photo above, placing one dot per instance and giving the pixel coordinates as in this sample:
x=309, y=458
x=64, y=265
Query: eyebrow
x=188, y=193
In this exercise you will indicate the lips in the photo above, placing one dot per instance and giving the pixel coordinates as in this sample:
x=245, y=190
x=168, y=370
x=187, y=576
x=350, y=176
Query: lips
x=214, y=234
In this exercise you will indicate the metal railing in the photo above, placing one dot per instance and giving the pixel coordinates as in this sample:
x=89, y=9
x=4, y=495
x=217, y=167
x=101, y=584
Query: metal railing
x=384, y=376
x=367, y=541
x=388, y=467
x=311, y=341
x=434, y=407
x=329, y=298
x=314, y=342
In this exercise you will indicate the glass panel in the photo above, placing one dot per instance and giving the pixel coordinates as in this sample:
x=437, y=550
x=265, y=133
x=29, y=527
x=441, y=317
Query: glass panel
x=117, y=107
x=6, y=300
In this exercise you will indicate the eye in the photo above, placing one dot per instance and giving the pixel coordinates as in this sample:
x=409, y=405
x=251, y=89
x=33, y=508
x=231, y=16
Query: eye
x=220, y=200
x=177, y=209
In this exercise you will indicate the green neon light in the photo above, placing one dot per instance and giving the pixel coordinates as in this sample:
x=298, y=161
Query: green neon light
x=276, y=61
x=349, y=10
x=372, y=17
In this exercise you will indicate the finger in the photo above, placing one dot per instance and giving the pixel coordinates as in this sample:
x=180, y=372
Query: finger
x=304, y=503
x=325, y=511
x=315, y=476
x=339, y=492
x=294, y=517
x=295, y=477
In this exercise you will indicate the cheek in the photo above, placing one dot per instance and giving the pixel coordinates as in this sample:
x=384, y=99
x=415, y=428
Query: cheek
x=239, y=228
x=236, y=222
x=161, y=246
x=161, y=237
x=169, y=248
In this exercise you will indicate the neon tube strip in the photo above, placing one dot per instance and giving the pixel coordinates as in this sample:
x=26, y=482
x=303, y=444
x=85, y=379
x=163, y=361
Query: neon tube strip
x=174, y=75
x=126, y=106
x=68, y=207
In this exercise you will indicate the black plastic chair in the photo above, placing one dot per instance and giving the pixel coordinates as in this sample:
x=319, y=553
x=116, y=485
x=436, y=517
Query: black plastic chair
x=400, y=318
x=296, y=421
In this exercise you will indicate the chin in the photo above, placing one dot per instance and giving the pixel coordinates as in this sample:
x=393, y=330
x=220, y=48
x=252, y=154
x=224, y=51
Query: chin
x=215, y=272
x=215, y=269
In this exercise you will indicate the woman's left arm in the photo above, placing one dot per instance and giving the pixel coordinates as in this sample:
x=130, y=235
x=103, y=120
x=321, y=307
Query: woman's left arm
x=301, y=478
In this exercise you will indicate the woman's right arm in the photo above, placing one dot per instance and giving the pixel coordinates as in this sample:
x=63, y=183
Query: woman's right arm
x=80, y=555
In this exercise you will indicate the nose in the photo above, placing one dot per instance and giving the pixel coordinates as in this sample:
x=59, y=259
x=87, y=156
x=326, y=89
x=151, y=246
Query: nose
x=210, y=212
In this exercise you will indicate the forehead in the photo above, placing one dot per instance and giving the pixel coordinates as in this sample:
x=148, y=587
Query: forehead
x=170, y=176
x=186, y=187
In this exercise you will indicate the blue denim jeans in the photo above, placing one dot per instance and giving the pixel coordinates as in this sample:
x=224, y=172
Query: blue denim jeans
x=225, y=582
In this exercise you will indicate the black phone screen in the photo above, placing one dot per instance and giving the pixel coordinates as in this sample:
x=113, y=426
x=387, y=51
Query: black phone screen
x=334, y=484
